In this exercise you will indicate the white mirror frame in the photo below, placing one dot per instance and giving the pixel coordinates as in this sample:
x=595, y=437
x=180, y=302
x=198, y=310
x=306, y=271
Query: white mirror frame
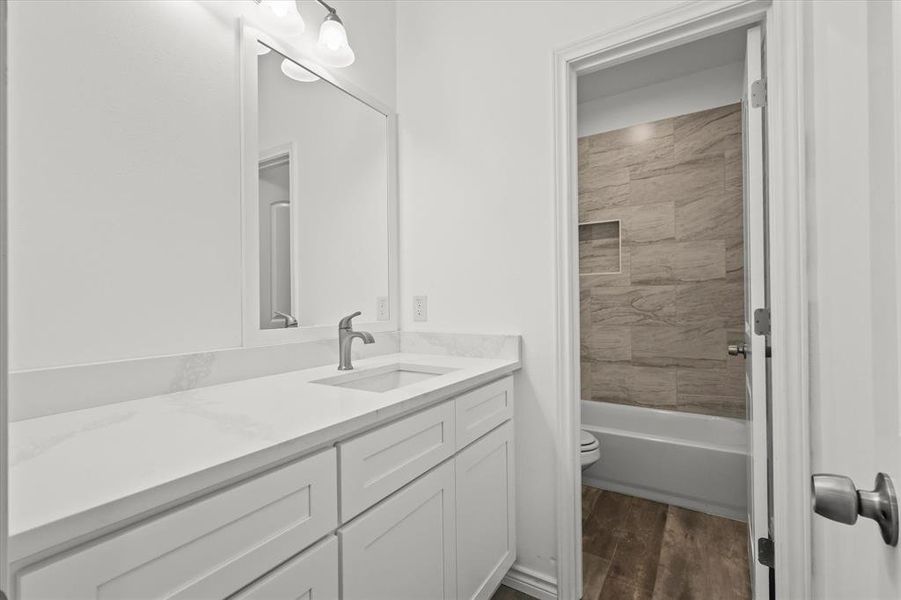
x=252, y=334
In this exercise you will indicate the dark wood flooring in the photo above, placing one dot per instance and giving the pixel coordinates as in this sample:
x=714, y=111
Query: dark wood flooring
x=636, y=549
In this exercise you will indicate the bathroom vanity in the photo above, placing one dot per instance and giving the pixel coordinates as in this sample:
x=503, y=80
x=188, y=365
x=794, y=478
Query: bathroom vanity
x=305, y=484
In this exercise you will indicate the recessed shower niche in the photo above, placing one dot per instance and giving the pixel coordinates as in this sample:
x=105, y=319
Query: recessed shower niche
x=599, y=247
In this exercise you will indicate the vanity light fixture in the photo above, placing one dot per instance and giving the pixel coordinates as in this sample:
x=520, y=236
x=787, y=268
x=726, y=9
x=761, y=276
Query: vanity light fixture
x=287, y=13
x=296, y=72
x=332, y=47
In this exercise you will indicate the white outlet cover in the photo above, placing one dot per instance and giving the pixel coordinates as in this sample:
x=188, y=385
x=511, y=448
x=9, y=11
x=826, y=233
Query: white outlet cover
x=382, y=309
x=420, y=308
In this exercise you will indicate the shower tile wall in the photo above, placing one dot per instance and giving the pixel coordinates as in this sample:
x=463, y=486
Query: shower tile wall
x=657, y=318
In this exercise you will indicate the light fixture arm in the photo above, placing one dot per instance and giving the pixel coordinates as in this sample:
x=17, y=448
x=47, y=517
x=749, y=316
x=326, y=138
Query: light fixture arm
x=327, y=7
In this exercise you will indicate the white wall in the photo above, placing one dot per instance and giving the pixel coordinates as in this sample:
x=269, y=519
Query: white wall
x=124, y=186
x=698, y=91
x=475, y=103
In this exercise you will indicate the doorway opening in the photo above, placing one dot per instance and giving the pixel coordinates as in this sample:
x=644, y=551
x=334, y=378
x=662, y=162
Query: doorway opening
x=670, y=147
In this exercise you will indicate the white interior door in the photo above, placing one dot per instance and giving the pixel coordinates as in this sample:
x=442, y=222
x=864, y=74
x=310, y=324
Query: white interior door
x=755, y=298
x=854, y=149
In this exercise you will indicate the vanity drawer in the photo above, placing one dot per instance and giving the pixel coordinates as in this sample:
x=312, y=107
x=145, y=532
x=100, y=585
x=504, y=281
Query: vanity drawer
x=483, y=409
x=313, y=574
x=384, y=460
x=208, y=549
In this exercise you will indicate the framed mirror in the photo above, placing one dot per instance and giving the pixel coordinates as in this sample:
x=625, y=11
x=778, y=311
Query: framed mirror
x=319, y=199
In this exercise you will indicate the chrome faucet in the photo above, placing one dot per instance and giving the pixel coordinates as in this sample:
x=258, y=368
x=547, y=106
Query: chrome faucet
x=290, y=320
x=346, y=335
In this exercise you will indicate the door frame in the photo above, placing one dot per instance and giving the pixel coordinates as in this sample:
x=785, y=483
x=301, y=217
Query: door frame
x=786, y=189
x=4, y=303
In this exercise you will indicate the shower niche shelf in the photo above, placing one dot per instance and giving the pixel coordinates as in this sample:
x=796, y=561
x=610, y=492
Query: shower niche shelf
x=600, y=247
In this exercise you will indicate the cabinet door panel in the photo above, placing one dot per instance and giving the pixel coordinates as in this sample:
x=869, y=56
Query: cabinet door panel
x=208, y=549
x=311, y=576
x=483, y=409
x=486, y=531
x=384, y=460
x=403, y=548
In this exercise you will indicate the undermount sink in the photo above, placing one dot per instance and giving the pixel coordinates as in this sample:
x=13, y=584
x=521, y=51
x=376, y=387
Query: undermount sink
x=385, y=379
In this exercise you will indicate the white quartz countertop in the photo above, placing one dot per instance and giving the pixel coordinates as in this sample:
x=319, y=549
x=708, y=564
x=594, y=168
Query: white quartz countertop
x=76, y=474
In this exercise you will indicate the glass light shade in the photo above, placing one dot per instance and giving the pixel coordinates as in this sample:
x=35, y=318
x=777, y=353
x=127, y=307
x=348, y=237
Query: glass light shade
x=262, y=49
x=332, y=35
x=288, y=16
x=297, y=73
x=341, y=57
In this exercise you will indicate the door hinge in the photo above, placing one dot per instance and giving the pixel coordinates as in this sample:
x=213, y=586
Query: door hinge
x=766, y=552
x=758, y=93
x=762, y=321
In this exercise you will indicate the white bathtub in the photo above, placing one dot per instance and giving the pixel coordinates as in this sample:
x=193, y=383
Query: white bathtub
x=694, y=461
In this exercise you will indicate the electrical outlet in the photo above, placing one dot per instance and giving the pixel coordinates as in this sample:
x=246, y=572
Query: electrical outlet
x=420, y=308
x=382, y=312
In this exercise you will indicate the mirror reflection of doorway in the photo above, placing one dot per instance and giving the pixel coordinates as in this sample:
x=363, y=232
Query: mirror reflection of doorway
x=275, y=241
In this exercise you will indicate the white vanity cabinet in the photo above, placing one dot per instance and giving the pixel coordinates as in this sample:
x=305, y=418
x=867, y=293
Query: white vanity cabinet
x=385, y=459
x=209, y=549
x=486, y=528
x=423, y=509
x=404, y=547
x=313, y=575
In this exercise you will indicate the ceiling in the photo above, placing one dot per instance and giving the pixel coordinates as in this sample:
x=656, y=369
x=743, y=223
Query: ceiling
x=715, y=51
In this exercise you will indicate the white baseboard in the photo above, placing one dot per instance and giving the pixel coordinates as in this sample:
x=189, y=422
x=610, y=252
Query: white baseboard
x=535, y=584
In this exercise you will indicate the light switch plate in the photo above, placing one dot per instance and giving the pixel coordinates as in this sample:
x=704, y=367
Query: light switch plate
x=382, y=310
x=420, y=308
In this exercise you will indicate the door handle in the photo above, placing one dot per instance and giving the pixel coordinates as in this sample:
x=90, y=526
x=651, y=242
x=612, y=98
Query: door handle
x=836, y=497
x=736, y=349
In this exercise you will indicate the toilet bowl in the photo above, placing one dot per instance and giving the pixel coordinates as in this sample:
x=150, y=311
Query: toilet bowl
x=590, y=449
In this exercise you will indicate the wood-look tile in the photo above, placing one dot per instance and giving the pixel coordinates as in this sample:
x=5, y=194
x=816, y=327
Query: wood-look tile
x=716, y=217
x=699, y=261
x=602, y=187
x=608, y=344
x=585, y=379
x=685, y=181
x=650, y=551
x=653, y=158
x=632, y=305
x=505, y=593
x=734, y=175
x=666, y=343
x=610, y=511
x=673, y=262
x=643, y=224
x=707, y=132
x=676, y=187
x=621, y=279
x=720, y=300
x=617, y=588
x=594, y=574
x=637, y=553
x=723, y=406
x=626, y=383
x=590, y=497
x=600, y=535
x=702, y=557
x=605, y=197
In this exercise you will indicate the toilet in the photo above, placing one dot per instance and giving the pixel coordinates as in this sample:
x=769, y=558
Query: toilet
x=590, y=449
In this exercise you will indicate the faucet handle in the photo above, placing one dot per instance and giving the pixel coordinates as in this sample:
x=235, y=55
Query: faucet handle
x=290, y=320
x=345, y=323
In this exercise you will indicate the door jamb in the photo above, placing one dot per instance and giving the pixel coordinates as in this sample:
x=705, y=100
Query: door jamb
x=786, y=191
x=4, y=301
